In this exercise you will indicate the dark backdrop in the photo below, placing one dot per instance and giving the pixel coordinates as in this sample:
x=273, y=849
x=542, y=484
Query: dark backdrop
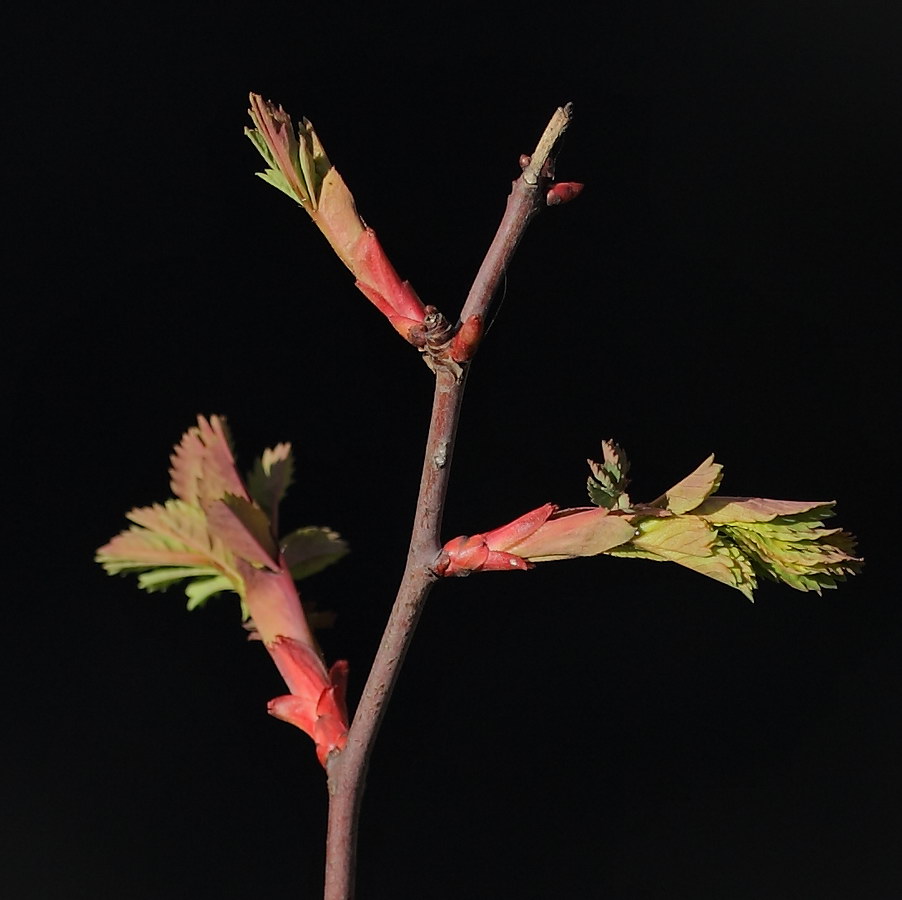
x=600, y=728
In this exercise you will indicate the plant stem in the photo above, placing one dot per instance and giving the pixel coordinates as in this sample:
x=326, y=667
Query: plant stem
x=347, y=770
x=523, y=203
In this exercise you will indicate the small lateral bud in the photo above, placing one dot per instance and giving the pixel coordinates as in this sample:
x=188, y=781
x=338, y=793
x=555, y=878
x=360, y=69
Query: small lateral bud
x=465, y=342
x=525, y=160
x=563, y=192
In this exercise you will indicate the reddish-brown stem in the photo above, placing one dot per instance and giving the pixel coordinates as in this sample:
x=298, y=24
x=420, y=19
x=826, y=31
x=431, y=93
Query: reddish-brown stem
x=347, y=770
x=524, y=202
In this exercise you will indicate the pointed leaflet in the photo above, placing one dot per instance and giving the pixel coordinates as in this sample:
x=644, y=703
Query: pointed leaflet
x=270, y=478
x=782, y=539
x=607, y=483
x=244, y=529
x=203, y=468
x=276, y=141
x=695, y=487
x=201, y=589
x=802, y=555
x=169, y=543
x=140, y=548
x=161, y=579
x=690, y=542
x=757, y=509
x=310, y=550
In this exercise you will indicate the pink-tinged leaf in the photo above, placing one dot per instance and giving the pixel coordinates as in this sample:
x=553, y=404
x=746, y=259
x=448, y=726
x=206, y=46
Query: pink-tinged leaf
x=138, y=548
x=693, y=489
x=203, y=468
x=577, y=532
x=173, y=537
x=723, y=510
x=505, y=537
x=244, y=530
x=277, y=132
x=273, y=604
x=338, y=219
x=180, y=522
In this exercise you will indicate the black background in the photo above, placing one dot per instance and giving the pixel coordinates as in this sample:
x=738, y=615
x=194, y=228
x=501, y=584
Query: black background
x=600, y=728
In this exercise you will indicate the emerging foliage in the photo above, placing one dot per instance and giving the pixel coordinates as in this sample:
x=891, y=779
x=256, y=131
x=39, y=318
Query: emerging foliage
x=608, y=482
x=215, y=527
x=297, y=165
x=219, y=535
x=731, y=539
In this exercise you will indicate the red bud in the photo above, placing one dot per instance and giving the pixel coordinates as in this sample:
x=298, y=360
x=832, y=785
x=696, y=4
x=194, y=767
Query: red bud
x=465, y=342
x=563, y=192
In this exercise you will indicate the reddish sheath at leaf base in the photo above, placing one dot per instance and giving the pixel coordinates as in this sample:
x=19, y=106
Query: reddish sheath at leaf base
x=488, y=552
x=316, y=703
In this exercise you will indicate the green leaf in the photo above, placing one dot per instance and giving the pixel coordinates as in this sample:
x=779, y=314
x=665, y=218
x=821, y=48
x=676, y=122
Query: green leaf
x=296, y=162
x=161, y=579
x=310, y=550
x=692, y=543
x=204, y=584
x=270, y=478
x=262, y=147
x=802, y=555
x=607, y=483
x=278, y=181
x=202, y=589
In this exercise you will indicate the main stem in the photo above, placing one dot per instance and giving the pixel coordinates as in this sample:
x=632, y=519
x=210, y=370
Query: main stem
x=347, y=770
